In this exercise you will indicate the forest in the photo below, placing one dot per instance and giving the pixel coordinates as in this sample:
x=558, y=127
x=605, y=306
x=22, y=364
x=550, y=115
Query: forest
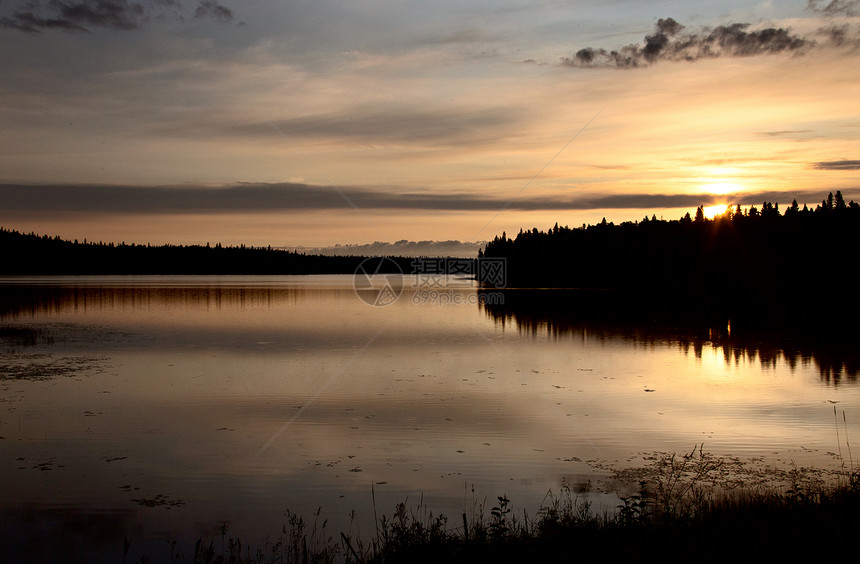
x=762, y=253
x=31, y=254
x=801, y=254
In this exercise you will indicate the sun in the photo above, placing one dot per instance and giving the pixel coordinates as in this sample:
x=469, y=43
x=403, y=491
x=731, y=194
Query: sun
x=713, y=211
x=719, y=187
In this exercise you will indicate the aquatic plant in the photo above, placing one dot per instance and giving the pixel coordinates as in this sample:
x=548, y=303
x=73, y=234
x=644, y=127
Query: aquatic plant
x=680, y=505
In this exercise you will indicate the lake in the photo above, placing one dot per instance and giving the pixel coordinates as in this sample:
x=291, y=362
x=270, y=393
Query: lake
x=160, y=408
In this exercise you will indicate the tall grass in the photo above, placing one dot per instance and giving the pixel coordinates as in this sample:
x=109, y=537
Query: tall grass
x=677, y=508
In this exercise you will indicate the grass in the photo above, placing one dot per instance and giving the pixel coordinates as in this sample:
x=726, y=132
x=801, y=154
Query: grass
x=682, y=508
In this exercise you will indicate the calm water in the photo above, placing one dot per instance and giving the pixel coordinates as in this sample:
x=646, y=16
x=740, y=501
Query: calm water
x=159, y=408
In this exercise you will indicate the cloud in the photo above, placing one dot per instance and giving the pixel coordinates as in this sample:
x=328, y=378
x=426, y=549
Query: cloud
x=214, y=10
x=835, y=8
x=838, y=165
x=840, y=35
x=838, y=32
x=294, y=197
x=117, y=14
x=672, y=42
x=785, y=132
x=668, y=26
x=393, y=125
x=33, y=23
x=35, y=16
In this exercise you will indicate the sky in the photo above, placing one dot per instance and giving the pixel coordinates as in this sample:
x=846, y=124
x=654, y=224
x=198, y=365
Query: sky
x=311, y=124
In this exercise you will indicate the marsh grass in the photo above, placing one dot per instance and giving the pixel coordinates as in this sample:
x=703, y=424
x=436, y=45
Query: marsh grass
x=676, y=508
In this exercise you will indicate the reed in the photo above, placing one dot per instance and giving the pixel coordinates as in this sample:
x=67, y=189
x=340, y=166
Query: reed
x=689, y=507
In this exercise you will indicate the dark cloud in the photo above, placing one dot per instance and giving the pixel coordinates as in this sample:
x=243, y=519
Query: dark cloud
x=117, y=14
x=214, y=10
x=837, y=34
x=663, y=201
x=35, y=16
x=838, y=165
x=835, y=8
x=841, y=35
x=668, y=26
x=785, y=132
x=286, y=197
x=393, y=125
x=672, y=42
x=32, y=23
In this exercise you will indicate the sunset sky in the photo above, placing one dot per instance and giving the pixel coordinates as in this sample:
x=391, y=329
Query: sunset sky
x=321, y=122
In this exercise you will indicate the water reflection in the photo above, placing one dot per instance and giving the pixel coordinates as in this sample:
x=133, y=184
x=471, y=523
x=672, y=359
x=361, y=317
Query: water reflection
x=57, y=296
x=593, y=316
x=182, y=403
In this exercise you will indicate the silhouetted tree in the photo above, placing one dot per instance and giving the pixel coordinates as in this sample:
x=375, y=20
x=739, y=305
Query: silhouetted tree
x=839, y=201
x=733, y=255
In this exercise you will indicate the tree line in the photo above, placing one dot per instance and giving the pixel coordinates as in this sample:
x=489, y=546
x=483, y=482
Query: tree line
x=32, y=254
x=759, y=252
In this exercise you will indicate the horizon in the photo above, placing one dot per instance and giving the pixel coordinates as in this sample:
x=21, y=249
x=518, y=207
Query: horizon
x=453, y=248
x=313, y=126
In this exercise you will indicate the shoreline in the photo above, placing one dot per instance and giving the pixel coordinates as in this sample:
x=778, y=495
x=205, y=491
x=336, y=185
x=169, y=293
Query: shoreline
x=669, y=506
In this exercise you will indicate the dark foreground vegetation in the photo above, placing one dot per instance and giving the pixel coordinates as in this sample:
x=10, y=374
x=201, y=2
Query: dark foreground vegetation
x=802, y=254
x=32, y=254
x=693, y=507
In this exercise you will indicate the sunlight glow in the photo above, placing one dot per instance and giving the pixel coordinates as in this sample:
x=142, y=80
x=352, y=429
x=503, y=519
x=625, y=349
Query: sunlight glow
x=721, y=188
x=712, y=211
